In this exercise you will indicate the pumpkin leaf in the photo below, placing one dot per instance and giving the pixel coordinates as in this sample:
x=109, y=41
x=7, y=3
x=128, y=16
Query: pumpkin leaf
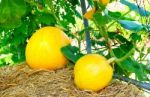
x=114, y=14
x=78, y=14
x=91, y=2
x=130, y=65
x=135, y=37
x=148, y=50
x=100, y=19
x=11, y=13
x=71, y=52
x=118, y=37
x=131, y=25
x=45, y=19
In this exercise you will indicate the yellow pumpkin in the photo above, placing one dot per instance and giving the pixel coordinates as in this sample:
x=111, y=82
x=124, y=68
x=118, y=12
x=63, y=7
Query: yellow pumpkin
x=92, y=72
x=43, y=50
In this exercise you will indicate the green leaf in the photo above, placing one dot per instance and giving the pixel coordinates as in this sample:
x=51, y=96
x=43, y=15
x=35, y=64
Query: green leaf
x=147, y=68
x=100, y=19
x=71, y=52
x=74, y=2
x=45, y=18
x=135, y=37
x=11, y=12
x=148, y=50
x=136, y=8
x=131, y=25
x=134, y=67
x=130, y=65
x=118, y=37
x=121, y=50
x=78, y=14
x=91, y=2
x=18, y=54
x=80, y=33
x=101, y=43
x=119, y=70
x=115, y=15
x=5, y=59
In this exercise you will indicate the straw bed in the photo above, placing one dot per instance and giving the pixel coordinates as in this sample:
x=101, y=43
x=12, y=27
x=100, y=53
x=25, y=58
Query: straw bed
x=21, y=81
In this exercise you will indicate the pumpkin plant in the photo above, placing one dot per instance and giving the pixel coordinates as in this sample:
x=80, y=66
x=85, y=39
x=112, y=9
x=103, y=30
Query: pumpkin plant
x=114, y=45
x=116, y=35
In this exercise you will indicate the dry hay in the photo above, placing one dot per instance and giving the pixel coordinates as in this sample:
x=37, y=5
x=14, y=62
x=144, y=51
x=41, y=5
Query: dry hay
x=21, y=81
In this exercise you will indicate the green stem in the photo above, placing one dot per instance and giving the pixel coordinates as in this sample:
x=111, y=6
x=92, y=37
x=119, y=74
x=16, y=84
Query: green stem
x=102, y=30
x=111, y=60
x=118, y=60
x=79, y=43
x=104, y=33
x=125, y=56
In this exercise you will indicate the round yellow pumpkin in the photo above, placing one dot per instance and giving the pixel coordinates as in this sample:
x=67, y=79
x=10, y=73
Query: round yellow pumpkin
x=43, y=50
x=92, y=72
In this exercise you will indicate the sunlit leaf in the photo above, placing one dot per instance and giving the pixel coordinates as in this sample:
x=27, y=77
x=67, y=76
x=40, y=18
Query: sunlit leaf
x=148, y=50
x=114, y=14
x=100, y=19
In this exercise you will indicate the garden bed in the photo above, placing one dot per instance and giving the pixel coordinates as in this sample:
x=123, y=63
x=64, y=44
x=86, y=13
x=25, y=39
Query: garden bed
x=21, y=81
